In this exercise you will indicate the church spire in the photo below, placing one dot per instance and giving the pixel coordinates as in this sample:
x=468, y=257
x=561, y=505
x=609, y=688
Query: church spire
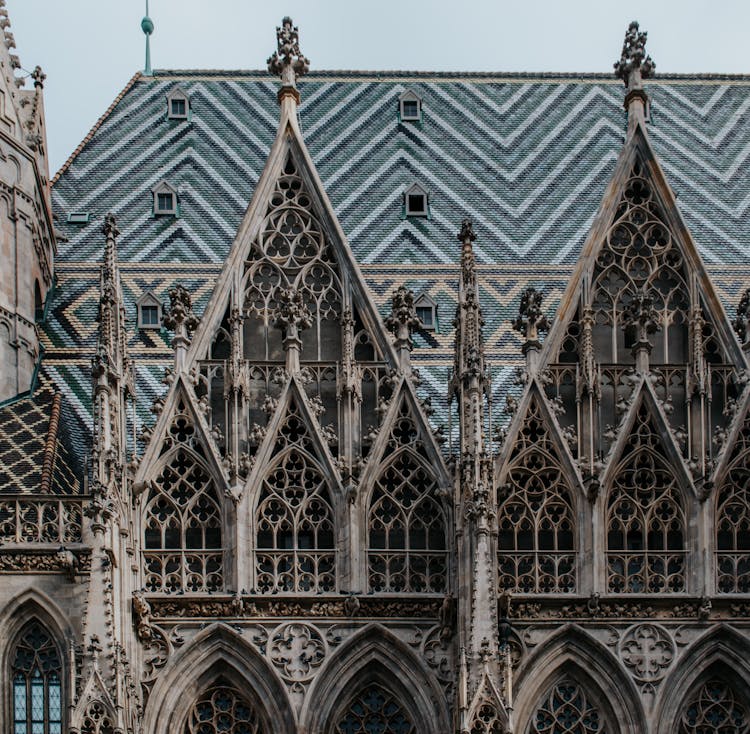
x=287, y=61
x=470, y=376
x=633, y=67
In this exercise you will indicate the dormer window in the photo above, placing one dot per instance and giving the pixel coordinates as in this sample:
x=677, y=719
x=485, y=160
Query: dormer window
x=410, y=107
x=165, y=200
x=426, y=311
x=416, y=201
x=80, y=218
x=149, y=311
x=178, y=105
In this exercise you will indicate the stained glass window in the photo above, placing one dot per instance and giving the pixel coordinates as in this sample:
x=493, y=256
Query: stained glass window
x=375, y=711
x=714, y=709
x=37, y=699
x=567, y=710
x=222, y=709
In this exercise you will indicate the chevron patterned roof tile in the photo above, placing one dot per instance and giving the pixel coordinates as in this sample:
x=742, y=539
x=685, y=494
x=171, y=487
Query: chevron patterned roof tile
x=526, y=156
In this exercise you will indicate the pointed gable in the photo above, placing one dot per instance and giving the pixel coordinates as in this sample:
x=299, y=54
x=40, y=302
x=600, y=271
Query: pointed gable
x=640, y=288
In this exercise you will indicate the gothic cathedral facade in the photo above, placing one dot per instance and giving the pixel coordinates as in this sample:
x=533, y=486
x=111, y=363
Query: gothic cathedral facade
x=253, y=480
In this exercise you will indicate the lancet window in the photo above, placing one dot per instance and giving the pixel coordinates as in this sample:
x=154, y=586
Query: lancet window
x=645, y=518
x=295, y=548
x=37, y=689
x=567, y=709
x=374, y=710
x=182, y=522
x=222, y=709
x=733, y=521
x=536, y=542
x=406, y=523
x=715, y=708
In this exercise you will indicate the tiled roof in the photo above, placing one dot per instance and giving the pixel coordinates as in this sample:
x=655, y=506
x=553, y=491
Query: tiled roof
x=37, y=455
x=526, y=156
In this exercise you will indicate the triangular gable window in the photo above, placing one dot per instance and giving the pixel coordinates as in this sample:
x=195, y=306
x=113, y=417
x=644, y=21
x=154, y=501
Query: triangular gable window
x=416, y=201
x=178, y=105
x=410, y=107
x=165, y=200
x=426, y=311
x=149, y=311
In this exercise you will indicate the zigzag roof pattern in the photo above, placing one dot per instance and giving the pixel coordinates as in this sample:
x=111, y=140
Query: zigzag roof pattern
x=527, y=157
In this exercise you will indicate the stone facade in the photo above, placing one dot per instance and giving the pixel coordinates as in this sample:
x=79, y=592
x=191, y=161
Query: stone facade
x=291, y=545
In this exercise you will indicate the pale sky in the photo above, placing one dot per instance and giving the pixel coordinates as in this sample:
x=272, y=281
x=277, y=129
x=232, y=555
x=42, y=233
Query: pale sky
x=90, y=48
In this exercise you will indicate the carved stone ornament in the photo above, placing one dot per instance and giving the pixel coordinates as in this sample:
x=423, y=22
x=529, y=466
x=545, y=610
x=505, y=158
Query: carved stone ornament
x=647, y=650
x=287, y=61
x=297, y=650
x=741, y=321
x=403, y=312
x=179, y=312
x=633, y=57
x=292, y=312
x=531, y=319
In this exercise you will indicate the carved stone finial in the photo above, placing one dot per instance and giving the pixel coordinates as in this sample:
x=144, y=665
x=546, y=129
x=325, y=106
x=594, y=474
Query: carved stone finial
x=741, y=322
x=403, y=319
x=109, y=230
x=38, y=76
x=531, y=319
x=179, y=312
x=287, y=61
x=634, y=65
x=641, y=315
x=292, y=311
x=467, y=232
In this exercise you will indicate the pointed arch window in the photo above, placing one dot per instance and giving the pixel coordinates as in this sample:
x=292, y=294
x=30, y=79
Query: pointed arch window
x=645, y=518
x=295, y=536
x=37, y=688
x=374, y=709
x=407, y=545
x=715, y=708
x=222, y=709
x=733, y=532
x=567, y=709
x=536, y=541
x=182, y=522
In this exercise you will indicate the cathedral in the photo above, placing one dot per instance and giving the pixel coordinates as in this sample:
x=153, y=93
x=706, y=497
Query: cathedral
x=340, y=402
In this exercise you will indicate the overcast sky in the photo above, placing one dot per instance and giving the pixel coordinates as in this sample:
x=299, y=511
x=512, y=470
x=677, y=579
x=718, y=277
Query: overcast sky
x=90, y=48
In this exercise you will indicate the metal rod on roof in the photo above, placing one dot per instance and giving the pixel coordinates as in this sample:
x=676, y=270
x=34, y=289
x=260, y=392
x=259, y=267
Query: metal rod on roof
x=147, y=26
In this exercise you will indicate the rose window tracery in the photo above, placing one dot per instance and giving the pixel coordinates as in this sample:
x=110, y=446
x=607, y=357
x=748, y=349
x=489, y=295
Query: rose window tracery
x=182, y=528
x=536, y=542
x=567, y=710
x=375, y=710
x=223, y=710
x=97, y=720
x=487, y=720
x=715, y=709
x=295, y=548
x=645, y=518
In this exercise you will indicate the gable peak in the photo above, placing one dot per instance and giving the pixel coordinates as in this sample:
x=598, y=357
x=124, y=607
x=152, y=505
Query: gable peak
x=287, y=61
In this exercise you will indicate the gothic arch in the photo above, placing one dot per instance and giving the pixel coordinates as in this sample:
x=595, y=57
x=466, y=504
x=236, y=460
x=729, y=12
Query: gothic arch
x=722, y=652
x=374, y=656
x=26, y=607
x=217, y=653
x=573, y=654
x=184, y=525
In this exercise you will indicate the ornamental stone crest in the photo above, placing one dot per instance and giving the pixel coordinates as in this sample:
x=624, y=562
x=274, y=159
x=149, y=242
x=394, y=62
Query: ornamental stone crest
x=634, y=64
x=647, y=651
x=287, y=61
x=297, y=650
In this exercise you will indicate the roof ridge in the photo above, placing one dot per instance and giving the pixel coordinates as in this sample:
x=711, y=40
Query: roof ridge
x=95, y=127
x=50, y=447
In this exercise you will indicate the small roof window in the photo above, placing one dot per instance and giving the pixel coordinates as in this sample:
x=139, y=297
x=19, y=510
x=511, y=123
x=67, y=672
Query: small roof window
x=410, y=107
x=79, y=217
x=149, y=311
x=426, y=309
x=178, y=105
x=165, y=200
x=416, y=201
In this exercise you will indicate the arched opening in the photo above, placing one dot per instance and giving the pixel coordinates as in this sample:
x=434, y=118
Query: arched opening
x=374, y=709
x=38, y=303
x=36, y=674
x=568, y=708
x=223, y=709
